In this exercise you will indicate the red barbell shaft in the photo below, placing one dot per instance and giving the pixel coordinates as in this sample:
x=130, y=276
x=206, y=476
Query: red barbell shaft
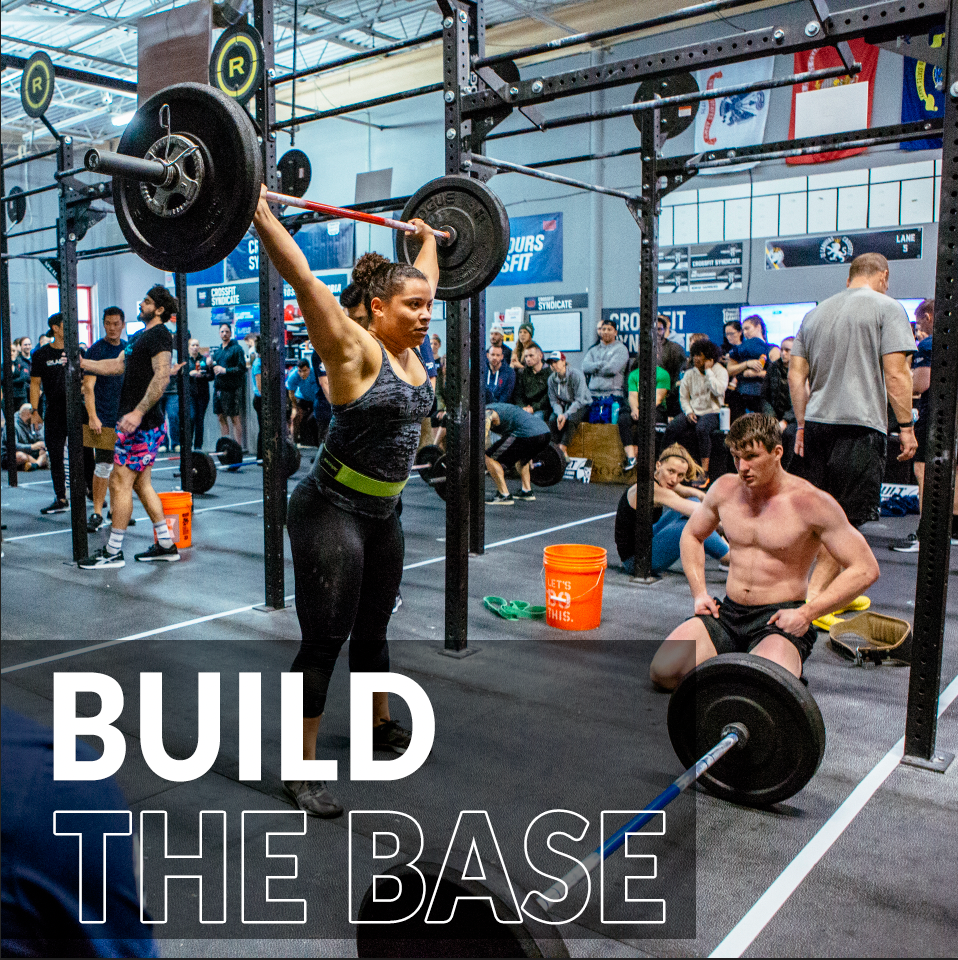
x=350, y=214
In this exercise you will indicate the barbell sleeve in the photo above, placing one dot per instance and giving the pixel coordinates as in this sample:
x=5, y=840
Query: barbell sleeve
x=733, y=735
x=348, y=214
x=131, y=168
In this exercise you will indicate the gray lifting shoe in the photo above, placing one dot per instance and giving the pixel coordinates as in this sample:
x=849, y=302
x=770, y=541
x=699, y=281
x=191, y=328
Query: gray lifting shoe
x=314, y=797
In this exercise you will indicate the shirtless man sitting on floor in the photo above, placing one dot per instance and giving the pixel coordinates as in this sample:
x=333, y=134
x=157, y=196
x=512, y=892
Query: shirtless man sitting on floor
x=775, y=524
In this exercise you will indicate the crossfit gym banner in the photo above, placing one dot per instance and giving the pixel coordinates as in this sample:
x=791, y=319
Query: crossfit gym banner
x=837, y=248
x=701, y=268
x=737, y=120
x=535, y=251
x=831, y=106
x=708, y=318
x=922, y=98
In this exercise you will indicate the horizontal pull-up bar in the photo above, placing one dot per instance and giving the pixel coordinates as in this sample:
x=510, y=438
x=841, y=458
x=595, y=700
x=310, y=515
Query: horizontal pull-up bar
x=11, y=197
x=505, y=166
x=681, y=99
x=7, y=164
x=711, y=6
x=355, y=107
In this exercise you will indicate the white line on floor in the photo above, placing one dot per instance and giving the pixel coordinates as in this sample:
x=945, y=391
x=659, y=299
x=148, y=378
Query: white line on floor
x=229, y=613
x=246, y=462
x=755, y=921
x=50, y=533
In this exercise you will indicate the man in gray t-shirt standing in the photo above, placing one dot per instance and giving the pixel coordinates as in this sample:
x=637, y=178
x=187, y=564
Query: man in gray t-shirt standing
x=849, y=360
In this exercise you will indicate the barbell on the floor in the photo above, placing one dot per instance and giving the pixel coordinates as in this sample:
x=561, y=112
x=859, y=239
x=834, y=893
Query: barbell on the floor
x=187, y=178
x=759, y=738
x=546, y=469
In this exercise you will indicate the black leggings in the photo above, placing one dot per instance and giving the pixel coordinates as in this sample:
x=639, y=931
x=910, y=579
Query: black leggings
x=55, y=437
x=347, y=570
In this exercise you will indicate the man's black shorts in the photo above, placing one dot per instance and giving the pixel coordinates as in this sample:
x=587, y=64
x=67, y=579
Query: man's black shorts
x=102, y=456
x=739, y=628
x=848, y=462
x=227, y=403
x=510, y=451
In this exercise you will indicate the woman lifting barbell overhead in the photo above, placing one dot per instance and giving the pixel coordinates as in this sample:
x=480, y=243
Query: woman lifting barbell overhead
x=346, y=540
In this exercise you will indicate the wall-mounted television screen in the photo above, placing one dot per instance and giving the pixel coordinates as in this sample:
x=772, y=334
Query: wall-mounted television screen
x=781, y=319
x=910, y=304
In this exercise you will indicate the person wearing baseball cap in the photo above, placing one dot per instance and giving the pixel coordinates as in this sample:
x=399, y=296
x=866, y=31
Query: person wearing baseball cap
x=496, y=335
x=569, y=398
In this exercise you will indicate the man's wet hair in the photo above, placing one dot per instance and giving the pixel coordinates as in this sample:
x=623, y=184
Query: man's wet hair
x=754, y=428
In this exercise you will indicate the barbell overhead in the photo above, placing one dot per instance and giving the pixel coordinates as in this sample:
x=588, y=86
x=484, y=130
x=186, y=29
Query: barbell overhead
x=187, y=180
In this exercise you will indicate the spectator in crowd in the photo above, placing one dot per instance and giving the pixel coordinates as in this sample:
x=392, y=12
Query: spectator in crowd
x=604, y=366
x=673, y=505
x=733, y=337
x=532, y=383
x=569, y=399
x=629, y=420
x=754, y=328
x=101, y=398
x=200, y=375
x=322, y=408
x=256, y=377
x=48, y=376
x=669, y=354
x=521, y=437
x=43, y=915
x=921, y=381
x=851, y=351
x=496, y=339
x=440, y=357
x=31, y=450
x=20, y=372
x=302, y=390
x=747, y=362
x=700, y=393
x=500, y=379
x=780, y=400
x=250, y=347
x=523, y=338
x=229, y=369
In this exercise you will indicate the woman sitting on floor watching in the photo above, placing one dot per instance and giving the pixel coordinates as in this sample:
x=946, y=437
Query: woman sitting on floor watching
x=674, y=503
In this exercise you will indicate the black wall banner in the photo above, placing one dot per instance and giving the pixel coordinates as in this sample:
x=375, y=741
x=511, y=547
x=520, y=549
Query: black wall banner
x=838, y=248
x=701, y=268
x=550, y=303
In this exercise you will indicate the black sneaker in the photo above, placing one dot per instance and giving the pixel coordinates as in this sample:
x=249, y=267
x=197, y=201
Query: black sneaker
x=101, y=560
x=58, y=506
x=500, y=499
x=94, y=522
x=132, y=522
x=314, y=797
x=524, y=495
x=908, y=545
x=628, y=464
x=156, y=552
x=391, y=736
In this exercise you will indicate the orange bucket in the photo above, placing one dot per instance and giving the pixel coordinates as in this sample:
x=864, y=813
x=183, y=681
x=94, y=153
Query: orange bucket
x=178, y=511
x=574, y=575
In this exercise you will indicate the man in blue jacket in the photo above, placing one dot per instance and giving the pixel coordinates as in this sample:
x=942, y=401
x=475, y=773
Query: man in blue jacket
x=500, y=379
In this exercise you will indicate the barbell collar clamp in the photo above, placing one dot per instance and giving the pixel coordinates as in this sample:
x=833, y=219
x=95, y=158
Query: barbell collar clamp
x=738, y=730
x=131, y=168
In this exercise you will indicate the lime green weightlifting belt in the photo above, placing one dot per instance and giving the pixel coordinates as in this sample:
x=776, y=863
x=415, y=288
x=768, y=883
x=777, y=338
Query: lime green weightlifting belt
x=338, y=471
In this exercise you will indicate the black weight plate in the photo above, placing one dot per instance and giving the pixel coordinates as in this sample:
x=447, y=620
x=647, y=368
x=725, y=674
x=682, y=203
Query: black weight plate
x=474, y=259
x=295, y=172
x=435, y=476
x=675, y=119
x=204, y=472
x=16, y=205
x=291, y=458
x=229, y=451
x=223, y=210
x=428, y=454
x=786, y=732
x=36, y=85
x=548, y=467
x=236, y=66
x=473, y=929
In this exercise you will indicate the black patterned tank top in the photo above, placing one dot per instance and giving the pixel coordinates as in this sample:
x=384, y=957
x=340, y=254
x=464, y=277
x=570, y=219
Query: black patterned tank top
x=376, y=435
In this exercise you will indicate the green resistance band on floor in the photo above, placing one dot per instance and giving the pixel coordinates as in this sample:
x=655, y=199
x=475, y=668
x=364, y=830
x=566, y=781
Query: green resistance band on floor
x=514, y=609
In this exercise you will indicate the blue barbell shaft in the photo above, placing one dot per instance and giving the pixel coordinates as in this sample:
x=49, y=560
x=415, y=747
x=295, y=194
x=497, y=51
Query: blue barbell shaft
x=733, y=735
